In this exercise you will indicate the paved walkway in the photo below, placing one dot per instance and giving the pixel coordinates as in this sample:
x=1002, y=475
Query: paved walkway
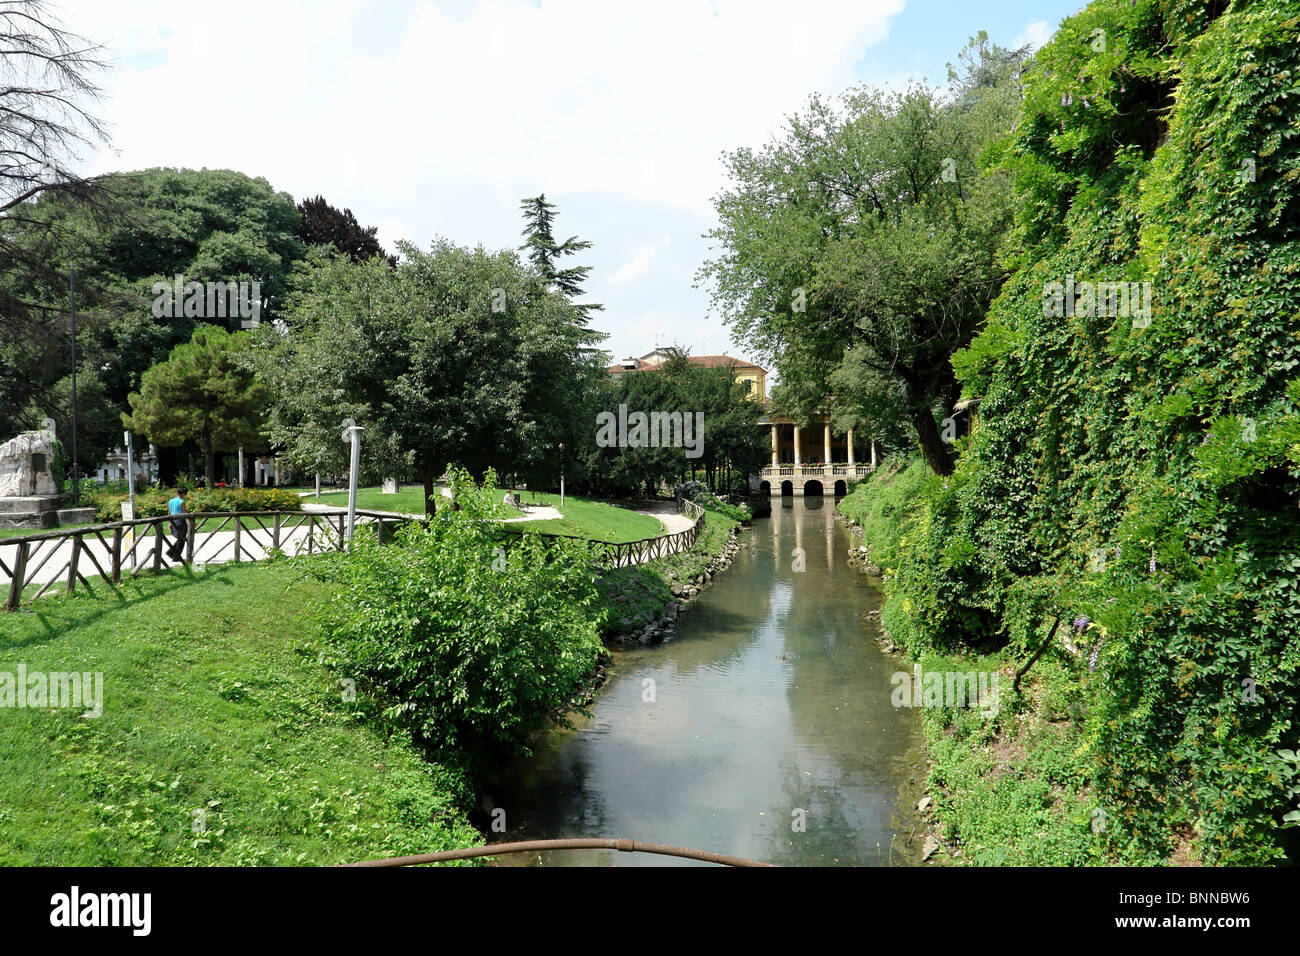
x=668, y=515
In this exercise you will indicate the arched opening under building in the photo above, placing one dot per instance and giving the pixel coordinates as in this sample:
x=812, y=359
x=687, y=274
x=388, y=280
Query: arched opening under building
x=787, y=489
x=841, y=488
x=813, y=487
x=765, y=488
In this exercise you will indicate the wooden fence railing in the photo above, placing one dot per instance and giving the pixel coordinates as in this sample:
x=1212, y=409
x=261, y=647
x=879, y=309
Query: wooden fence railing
x=624, y=554
x=126, y=549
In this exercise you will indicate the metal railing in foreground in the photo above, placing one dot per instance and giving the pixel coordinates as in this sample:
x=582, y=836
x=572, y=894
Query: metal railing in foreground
x=577, y=843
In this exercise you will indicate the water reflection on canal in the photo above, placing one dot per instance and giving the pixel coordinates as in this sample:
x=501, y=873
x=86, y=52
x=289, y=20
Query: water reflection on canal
x=773, y=697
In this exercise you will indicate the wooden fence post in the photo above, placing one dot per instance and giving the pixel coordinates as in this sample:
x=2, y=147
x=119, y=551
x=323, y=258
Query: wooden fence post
x=275, y=533
x=117, y=555
x=189, y=540
x=238, y=524
x=158, y=547
x=20, y=572
x=72, y=564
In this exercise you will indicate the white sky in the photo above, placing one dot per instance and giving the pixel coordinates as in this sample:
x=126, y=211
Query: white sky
x=434, y=119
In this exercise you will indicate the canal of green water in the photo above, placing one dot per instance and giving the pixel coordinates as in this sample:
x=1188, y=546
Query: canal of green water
x=763, y=729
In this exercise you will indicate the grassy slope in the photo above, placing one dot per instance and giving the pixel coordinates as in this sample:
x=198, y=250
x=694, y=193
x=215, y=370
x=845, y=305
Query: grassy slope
x=213, y=700
x=409, y=499
x=639, y=594
x=583, y=517
x=587, y=518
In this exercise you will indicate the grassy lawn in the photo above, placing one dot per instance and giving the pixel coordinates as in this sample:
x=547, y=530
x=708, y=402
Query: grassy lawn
x=583, y=517
x=586, y=518
x=214, y=702
x=408, y=500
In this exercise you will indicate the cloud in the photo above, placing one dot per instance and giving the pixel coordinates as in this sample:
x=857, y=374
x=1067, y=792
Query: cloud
x=639, y=265
x=435, y=118
x=1035, y=34
x=631, y=100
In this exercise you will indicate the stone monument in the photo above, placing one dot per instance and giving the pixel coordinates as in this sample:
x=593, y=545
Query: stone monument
x=29, y=495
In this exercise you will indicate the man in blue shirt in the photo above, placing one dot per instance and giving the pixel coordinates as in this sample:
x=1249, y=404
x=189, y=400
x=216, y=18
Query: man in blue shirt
x=176, y=508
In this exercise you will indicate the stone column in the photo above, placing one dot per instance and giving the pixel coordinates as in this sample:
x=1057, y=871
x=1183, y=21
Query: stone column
x=775, y=447
x=826, y=443
x=850, y=445
x=798, y=445
x=873, y=454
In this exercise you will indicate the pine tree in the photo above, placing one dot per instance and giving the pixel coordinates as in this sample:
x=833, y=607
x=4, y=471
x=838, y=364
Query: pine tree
x=545, y=253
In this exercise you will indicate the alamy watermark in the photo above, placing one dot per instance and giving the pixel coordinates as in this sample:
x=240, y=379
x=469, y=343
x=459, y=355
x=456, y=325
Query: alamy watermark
x=209, y=300
x=946, y=689
x=653, y=430
x=74, y=690
x=1098, y=299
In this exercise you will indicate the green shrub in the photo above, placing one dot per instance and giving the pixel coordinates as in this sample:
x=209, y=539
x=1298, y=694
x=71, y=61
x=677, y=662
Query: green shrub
x=700, y=494
x=469, y=638
x=152, y=502
x=242, y=499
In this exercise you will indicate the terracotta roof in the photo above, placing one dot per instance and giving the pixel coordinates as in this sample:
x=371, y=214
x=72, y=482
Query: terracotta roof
x=618, y=369
x=713, y=361
x=709, y=361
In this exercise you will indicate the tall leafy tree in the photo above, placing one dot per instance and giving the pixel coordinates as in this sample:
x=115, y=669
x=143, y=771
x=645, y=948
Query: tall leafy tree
x=205, y=393
x=455, y=355
x=870, y=237
x=729, y=440
x=48, y=93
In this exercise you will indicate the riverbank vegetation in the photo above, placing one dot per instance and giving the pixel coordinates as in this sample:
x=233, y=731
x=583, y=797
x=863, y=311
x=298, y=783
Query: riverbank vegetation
x=313, y=710
x=1119, y=526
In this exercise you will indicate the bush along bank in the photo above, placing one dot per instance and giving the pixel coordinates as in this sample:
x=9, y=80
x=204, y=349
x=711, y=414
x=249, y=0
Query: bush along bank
x=472, y=640
x=641, y=604
x=1007, y=784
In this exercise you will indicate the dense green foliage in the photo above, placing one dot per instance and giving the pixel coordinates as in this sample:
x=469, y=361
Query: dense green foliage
x=468, y=639
x=719, y=431
x=138, y=229
x=1136, y=485
x=204, y=392
x=862, y=249
x=453, y=355
x=700, y=494
x=152, y=502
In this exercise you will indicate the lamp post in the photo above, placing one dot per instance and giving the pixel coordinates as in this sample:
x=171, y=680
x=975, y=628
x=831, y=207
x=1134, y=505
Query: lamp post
x=72, y=308
x=561, y=476
x=352, y=433
x=130, y=488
